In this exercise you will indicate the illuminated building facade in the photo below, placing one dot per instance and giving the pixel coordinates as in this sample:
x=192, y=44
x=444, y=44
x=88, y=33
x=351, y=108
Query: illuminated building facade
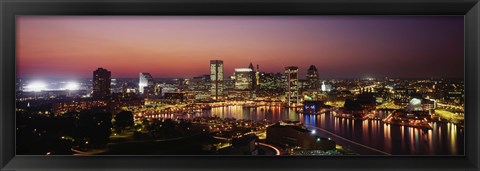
x=200, y=83
x=229, y=83
x=312, y=107
x=421, y=104
x=271, y=81
x=146, y=81
x=239, y=95
x=157, y=90
x=243, y=79
x=325, y=87
x=257, y=77
x=77, y=106
x=175, y=96
x=216, y=78
x=101, y=83
x=291, y=78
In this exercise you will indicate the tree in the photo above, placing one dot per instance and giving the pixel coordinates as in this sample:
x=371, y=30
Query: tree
x=123, y=120
x=94, y=126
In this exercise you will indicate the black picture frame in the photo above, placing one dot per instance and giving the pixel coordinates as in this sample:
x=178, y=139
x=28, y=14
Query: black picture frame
x=11, y=8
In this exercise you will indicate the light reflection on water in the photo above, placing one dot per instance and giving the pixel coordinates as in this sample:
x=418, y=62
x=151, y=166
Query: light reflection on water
x=393, y=139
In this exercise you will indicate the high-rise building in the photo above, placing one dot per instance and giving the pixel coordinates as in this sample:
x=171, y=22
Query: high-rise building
x=271, y=82
x=291, y=78
x=257, y=76
x=243, y=79
x=326, y=87
x=101, y=83
x=312, y=78
x=157, y=90
x=229, y=83
x=200, y=82
x=253, y=81
x=216, y=79
x=146, y=81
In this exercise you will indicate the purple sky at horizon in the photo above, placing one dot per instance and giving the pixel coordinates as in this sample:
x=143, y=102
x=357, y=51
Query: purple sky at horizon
x=182, y=46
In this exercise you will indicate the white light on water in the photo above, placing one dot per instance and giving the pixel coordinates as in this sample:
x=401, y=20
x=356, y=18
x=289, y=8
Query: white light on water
x=36, y=86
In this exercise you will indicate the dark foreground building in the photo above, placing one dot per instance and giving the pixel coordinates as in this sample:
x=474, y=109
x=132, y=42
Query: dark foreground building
x=245, y=145
x=293, y=135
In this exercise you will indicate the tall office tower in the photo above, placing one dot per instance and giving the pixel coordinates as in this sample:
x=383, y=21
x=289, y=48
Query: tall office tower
x=157, y=90
x=291, y=78
x=252, y=76
x=312, y=78
x=146, y=80
x=216, y=78
x=257, y=76
x=271, y=82
x=323, y=86
x=101, y=83
x=243, y=78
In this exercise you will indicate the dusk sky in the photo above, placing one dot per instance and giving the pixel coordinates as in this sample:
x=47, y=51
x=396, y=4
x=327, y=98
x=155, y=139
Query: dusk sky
x=182, y=46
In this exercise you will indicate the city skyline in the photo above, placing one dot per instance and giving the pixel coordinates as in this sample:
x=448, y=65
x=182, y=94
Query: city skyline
x=228, y=75
x=240, y=85
x=65, y=46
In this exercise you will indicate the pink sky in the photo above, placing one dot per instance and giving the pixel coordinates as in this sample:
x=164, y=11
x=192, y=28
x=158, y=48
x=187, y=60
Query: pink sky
x=175, y=46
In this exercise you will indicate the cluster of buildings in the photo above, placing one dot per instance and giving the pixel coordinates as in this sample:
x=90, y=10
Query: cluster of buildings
x=245, y=84
x=413, y=100
x=250, y=83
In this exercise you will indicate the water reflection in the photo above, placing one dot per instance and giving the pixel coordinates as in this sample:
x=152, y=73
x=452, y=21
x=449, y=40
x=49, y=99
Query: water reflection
x=443, y=139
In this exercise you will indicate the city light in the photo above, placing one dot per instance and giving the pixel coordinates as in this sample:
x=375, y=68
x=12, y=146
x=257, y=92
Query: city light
x=36, y=86
x=72, y=86
x=239, y=116
x=243, y=70
x=415, y=101
x=194, y=106
x=323, y=87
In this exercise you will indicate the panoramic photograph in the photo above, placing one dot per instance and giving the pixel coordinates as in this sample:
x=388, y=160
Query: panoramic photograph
x=240, y=85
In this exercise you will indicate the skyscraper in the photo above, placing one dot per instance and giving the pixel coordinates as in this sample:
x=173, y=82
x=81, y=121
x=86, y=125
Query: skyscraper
x=216, y=78
x=271, y=82
x=323, y=87
x=312, y=78
x=243, y=79
x=101, y=83
x=257, y=76
x=253, y=81
x=291, y=78
x=146, y=80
